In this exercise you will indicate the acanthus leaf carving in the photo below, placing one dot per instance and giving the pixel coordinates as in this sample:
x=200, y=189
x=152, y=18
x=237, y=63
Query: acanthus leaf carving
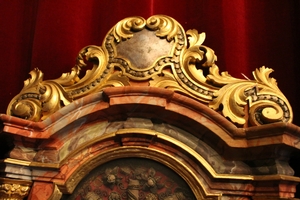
x=125, y=30
x=165, y=26
x=184, y=65
x=265, y=101
x=13, y=189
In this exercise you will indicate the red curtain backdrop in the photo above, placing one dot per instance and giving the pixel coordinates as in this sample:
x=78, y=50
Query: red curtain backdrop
x=48, y=34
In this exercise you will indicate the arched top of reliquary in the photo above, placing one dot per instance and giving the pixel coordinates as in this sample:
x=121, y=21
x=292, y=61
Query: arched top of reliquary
x=159, y=53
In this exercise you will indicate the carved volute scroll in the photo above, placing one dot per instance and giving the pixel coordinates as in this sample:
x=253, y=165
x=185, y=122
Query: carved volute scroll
x=156, y=52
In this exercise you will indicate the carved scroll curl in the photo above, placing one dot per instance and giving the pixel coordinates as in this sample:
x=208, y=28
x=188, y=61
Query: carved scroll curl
x=165, y=26
x=265, y=101
x=38, y=99
x=126, y=28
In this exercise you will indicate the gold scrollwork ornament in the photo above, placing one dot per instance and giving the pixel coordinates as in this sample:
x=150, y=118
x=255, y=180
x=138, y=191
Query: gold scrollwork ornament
x=10, y=191
x=185, y=65
x=265, y=101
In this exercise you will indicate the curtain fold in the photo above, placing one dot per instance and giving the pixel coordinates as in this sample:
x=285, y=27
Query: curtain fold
x=245, y=35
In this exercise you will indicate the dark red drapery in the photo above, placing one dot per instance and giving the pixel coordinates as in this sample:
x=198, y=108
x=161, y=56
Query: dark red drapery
x=47, y=34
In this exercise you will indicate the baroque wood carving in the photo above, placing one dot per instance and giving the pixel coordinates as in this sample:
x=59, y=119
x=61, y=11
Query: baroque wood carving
x=14, y=189
x=159, y=52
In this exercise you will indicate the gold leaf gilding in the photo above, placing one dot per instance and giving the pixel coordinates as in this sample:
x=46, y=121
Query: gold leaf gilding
x=185, y=65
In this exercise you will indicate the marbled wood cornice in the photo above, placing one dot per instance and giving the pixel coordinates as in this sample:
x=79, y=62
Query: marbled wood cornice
x=145, y=143
x=159, y=53
x=115, y=101
x=232, y=143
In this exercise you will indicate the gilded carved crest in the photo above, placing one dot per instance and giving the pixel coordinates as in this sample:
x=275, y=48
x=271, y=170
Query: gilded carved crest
x=156, y=52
